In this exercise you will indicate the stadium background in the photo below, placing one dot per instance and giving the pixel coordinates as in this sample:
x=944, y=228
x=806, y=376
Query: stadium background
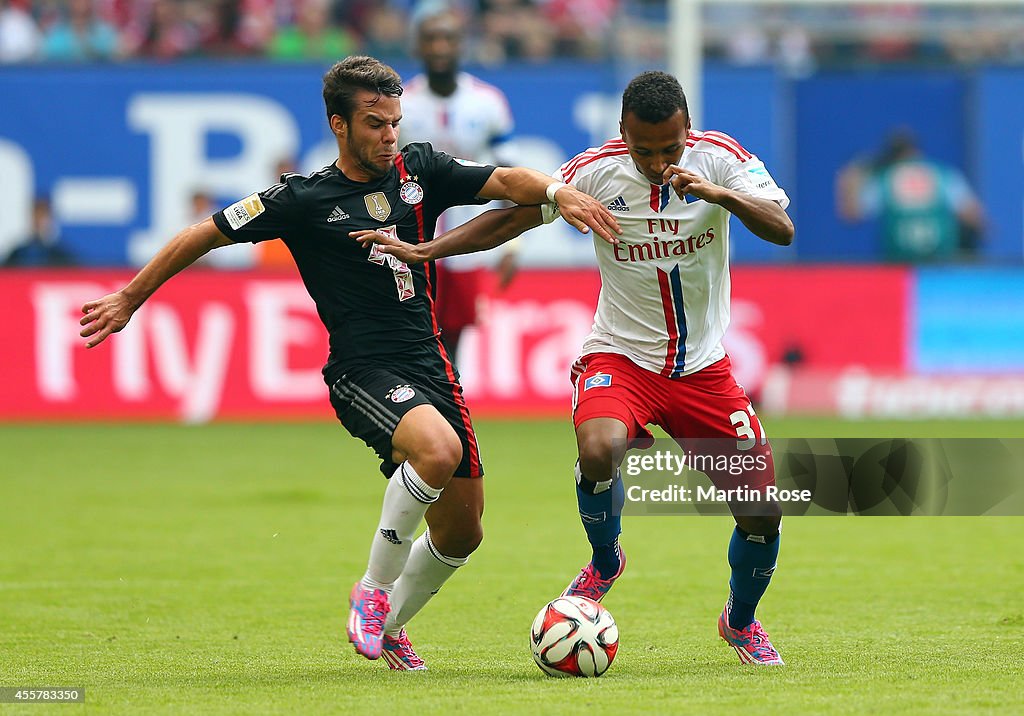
x=198, y=568
x=121, y=148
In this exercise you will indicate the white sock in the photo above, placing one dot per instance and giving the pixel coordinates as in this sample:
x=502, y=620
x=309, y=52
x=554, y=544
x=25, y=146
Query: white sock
x=406, y=500
x=425, y=572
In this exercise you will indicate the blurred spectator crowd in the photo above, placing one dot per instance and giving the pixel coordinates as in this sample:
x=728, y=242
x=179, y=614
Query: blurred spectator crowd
x=99, y=30
x=799, y=37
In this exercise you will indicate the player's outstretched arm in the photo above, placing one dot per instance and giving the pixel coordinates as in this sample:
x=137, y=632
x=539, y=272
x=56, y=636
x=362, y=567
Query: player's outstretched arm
x=490, y=229
x=765, y=218
x=528, y=186
x=111, y=313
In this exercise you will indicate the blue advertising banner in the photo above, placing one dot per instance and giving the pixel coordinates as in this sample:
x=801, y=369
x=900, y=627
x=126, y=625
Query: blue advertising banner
x=1000, y=159
x=842, y=116
x=120, y=150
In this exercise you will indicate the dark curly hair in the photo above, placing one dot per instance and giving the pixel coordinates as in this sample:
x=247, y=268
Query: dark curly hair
x=352, y=74
x=653, y=97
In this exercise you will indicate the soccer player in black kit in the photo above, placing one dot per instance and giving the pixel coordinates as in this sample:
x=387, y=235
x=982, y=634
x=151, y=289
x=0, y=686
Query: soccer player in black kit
x=392, y=383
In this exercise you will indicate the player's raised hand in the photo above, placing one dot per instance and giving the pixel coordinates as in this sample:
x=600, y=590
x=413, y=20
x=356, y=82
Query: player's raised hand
x=686, y=183
x=105, y=316
x=585, y=213
x=407, y=253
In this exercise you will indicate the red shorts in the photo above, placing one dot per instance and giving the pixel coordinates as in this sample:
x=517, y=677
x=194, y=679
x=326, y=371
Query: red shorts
x=707, y=409
x=457, y=295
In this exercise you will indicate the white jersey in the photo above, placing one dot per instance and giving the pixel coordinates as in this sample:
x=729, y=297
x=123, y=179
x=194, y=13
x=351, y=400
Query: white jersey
x=469, y=124
x=664, y=301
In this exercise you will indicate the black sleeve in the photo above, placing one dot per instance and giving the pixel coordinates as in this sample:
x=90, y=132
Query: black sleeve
x=450, y=181
x=273, y=213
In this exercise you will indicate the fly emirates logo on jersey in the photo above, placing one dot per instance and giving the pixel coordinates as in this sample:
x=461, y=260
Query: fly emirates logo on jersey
x=661, y=247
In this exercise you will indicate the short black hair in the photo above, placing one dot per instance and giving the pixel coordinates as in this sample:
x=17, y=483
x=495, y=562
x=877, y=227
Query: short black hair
x=354, y=73
x=654, y=97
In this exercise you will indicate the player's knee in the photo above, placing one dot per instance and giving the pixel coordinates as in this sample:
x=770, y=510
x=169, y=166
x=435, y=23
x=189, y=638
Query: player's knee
x=601, y=444
x=449, y=453
x=597, y=468
x=439, y=457
x=597, y=461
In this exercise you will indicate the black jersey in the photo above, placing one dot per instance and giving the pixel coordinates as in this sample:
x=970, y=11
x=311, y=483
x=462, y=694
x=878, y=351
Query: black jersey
x=375, y=307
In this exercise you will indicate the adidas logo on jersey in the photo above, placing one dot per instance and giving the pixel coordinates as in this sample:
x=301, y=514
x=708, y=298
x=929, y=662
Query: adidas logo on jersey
x=618, y=205
x=337, y=215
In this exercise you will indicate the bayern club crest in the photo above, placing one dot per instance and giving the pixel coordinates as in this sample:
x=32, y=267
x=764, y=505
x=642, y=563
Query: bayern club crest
x=411, y=193
x=401, y=393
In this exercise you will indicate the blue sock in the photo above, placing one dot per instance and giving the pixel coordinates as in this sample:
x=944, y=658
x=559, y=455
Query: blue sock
x=753, y=559
x=600, y=505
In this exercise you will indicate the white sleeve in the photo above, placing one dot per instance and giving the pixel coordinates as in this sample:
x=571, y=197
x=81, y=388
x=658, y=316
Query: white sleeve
x=751, y=177
x=580, y=180
x=549, y=212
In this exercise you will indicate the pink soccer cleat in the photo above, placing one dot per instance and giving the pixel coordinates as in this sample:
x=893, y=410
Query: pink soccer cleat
x=369, y=608
x=398, y=654
x=751, y=642
x=589, y=584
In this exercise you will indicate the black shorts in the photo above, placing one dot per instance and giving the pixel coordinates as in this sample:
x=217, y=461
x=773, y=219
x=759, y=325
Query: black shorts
x=369, y=402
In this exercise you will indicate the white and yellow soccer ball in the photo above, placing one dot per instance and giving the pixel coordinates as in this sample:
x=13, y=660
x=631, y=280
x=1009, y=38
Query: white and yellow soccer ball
x=574, y=636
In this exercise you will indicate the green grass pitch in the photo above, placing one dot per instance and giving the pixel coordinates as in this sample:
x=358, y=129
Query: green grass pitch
x=206, y=569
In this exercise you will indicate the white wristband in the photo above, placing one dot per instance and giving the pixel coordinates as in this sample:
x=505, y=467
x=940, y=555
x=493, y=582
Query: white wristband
x=553, y=189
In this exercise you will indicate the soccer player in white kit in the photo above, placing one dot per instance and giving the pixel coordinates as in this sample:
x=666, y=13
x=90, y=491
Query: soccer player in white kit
x=465, y=117
x=654, y=355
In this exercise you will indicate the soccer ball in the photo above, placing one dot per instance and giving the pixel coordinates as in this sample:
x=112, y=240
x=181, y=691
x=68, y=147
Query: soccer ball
x=574, y=636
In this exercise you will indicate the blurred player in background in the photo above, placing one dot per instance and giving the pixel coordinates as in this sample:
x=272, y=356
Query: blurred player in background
x=927, y=209
x=465, y=117
x=392, y=383
x=655, y=354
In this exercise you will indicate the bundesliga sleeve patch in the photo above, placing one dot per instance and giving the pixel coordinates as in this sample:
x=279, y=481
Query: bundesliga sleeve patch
x=242, y=212
x=760, y=177
x=598, y=380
